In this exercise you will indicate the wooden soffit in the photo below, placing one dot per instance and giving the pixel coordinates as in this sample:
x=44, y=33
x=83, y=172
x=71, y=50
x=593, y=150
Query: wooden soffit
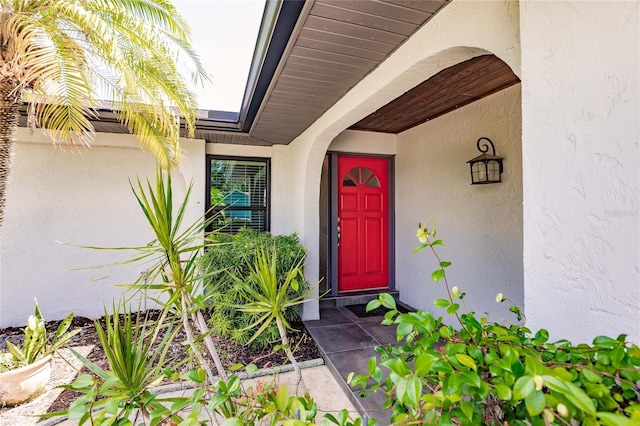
x=451, y=88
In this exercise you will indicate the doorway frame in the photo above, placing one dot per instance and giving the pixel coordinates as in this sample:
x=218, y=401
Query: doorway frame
x=332, y=255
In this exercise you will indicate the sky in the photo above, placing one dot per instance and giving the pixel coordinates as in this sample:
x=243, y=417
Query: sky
x=224, y=34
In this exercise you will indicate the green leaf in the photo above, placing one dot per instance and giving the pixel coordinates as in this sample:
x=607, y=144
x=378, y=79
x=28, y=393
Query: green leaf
x=445, y=332
x=533, y=366
x=562, y=373
x=110, y=405
x=423, y=364
x=453, y=308
x=567, y=388
x=401, y=390
x=437, y=275
x=373, y=304
x=350, y=377
x=613, y=419
x=467, y=409
x=556, y=384
x=414, y=390
x=523, y=387
x=535, y=403
x=179, y=404
x=420, y=247
x=466, y=360
x=372, y=364
x=617, y=355
x=590, y=376
x=197, y=376
x=441, y=303
x=445, y=264
x=388, y=301
x=404, y=329
x=503, y=392
x=78, y=409
x=605, y=342
x=581, y=400
x=82, y=382
x=472, y=379
x=452, y=383
x=377, y=375
x=542, y=335
x=282, y=398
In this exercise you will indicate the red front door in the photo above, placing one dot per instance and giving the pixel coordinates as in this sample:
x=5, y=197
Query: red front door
x=363, y=216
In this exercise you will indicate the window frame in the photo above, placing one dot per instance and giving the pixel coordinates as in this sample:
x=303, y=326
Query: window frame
x=210, y=210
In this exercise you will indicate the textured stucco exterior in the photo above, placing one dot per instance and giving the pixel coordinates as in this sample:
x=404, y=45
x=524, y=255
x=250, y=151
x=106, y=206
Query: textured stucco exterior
x=481, y=225
x=580, y=136
x=79, y=197
x=371, y=143
x=561, y=234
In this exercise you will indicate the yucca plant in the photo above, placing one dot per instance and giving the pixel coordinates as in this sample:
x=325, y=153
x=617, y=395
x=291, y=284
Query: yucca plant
x=171, y=265
x=236, y=254
x=137, y=364
x=271, y=299
x=176, y=267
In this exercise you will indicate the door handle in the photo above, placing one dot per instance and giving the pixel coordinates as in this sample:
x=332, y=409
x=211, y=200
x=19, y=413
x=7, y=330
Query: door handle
x=338, y=230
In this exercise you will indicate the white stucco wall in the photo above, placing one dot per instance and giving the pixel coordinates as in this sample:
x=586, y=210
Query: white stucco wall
x=80, y=197
x=359, y=142
x=481, y=225
x=580, y=136
x=462, y=30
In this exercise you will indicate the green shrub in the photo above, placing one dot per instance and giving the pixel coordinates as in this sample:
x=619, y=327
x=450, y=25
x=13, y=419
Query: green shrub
x=235, y=255
x=483, y=373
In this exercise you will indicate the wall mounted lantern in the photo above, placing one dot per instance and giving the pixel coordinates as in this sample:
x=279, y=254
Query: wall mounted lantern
x=485, y=168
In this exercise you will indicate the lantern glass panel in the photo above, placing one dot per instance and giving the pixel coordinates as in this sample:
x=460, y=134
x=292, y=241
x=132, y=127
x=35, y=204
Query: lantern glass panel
x=479, y=172
x=493, y=171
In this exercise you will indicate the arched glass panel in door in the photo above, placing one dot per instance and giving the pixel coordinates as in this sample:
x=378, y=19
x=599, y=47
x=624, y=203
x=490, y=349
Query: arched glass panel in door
x=359, y=176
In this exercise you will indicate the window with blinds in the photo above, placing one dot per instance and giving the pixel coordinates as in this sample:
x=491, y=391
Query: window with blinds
x=238, y=193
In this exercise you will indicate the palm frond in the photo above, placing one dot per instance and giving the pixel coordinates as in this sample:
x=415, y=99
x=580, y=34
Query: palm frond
x=66, y=54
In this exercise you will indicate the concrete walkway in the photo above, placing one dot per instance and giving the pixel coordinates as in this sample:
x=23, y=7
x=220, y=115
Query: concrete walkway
x=347, y=343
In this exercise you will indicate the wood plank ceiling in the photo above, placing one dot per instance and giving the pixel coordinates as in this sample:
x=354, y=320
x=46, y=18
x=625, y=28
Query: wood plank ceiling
x=451, y=88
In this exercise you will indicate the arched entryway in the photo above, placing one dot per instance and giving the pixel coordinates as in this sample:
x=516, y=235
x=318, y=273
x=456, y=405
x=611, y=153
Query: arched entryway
x=449, y=90
x=463, y=30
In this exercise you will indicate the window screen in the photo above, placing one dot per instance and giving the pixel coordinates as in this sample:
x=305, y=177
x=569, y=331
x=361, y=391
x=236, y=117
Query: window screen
x=238, y=193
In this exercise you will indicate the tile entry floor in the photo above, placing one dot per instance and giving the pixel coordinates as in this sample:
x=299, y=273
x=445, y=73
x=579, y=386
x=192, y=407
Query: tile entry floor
x=347, y=343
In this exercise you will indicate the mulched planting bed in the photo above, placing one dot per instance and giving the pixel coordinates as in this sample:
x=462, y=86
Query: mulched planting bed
x=231, y=353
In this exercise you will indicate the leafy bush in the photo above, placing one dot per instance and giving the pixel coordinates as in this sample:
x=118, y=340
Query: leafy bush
x=492, y=374
x=235, y=255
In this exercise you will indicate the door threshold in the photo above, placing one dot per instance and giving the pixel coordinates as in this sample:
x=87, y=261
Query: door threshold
x=356, y=297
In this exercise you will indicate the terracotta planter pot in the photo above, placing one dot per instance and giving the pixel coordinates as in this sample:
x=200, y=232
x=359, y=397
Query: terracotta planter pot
x=22, y=384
